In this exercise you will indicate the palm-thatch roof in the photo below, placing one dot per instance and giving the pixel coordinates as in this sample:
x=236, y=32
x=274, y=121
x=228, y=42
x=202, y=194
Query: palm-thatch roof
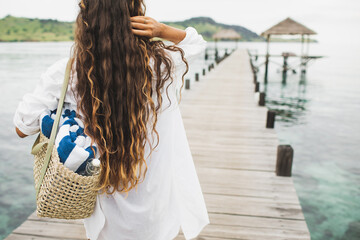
x=288, y=27
x=227, y=34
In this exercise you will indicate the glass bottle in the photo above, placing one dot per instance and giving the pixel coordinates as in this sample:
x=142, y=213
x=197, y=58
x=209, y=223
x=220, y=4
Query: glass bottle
x=92, y=167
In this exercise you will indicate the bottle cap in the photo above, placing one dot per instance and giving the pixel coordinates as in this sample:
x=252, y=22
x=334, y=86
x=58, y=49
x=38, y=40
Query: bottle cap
x=96, y=162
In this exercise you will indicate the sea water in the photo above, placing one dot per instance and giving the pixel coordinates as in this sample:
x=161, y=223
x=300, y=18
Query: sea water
x=318, y=114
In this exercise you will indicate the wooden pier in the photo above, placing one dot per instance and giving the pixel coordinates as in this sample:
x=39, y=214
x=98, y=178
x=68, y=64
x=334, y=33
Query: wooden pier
x=235, y=158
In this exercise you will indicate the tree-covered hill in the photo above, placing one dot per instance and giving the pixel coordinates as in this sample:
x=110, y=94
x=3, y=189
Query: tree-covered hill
x=208, y=27
x=14, y=29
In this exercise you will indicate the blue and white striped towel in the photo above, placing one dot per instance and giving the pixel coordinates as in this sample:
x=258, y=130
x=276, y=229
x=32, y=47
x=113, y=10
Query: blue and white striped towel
x=72, y=145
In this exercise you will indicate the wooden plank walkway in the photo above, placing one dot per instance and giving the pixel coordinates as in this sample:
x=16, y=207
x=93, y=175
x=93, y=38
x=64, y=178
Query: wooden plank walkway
x=234, y=155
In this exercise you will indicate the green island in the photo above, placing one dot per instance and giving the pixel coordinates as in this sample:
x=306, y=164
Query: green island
x=16, y=29
x=19, y=29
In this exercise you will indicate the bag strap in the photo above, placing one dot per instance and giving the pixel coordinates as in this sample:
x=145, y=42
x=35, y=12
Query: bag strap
x=55, y=126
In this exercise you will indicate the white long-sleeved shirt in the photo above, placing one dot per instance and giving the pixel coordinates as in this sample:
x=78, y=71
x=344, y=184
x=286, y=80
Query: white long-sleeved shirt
x=170, y=196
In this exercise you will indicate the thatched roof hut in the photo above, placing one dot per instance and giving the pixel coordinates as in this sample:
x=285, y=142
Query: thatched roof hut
x=227, y=34
x=288, y=27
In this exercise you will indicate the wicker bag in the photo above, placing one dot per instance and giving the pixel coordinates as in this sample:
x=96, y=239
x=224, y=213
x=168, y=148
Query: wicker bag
x=60, y=192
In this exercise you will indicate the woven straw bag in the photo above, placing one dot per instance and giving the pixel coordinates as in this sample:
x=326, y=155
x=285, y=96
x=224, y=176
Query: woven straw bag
x=60, y=192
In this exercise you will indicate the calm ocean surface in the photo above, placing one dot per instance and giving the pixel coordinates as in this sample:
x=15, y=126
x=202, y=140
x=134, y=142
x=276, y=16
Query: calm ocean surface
x=319, y=117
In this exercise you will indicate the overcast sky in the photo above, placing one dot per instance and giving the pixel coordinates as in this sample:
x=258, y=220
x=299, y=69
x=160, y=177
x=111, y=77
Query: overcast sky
x=332, y=19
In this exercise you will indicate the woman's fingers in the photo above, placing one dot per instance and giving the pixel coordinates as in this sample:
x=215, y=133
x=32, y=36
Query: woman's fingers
x=143, y=33
x=149, y=26
x=141, y=19
x=139, y=25
x=137, y=19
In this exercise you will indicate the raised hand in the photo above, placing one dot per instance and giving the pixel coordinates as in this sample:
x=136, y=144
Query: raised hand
x=146, y=26
x=149, y=27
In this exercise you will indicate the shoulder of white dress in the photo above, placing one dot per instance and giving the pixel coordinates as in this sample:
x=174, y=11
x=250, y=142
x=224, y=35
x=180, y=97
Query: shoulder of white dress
x=56, y=71
x=192, y=37
x=58, y=65
x=190, y=33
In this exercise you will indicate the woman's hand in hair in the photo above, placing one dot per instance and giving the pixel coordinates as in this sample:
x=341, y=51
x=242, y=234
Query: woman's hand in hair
x=149, y=27
x=146, y=26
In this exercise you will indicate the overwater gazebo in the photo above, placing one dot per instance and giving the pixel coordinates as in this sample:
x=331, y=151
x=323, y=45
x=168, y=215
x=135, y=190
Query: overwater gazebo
x=226, y=34
x=287, y=27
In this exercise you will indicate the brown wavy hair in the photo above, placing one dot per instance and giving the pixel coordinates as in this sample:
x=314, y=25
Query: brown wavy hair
x=115, y=86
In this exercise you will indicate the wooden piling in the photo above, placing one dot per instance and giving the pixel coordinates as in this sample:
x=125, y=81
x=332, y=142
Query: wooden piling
x=262, y=99
x=197, y=77
x=267, y=59
x=285, y=154
x=253, y=70
x=257, y=86
x=270, y=120
x=187, y=84
x=285, y=68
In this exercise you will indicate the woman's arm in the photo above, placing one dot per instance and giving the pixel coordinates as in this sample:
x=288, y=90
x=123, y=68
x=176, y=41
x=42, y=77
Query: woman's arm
x=44, y=97
x=149, y=27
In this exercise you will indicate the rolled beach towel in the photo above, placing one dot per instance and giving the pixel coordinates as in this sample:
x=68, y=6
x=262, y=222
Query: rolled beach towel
x=73, y=146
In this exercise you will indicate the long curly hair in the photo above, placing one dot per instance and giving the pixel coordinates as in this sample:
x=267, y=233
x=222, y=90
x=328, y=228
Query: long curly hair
x=115, y=86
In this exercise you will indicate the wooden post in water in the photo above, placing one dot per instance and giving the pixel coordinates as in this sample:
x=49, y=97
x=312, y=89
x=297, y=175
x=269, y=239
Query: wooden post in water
x=285, y=154
x=307, y=45
x=187, y=84
x=285, y=67
x=302, y=46
x=253, y=70
x=257, y=86
x=270, y=120
x=267, y=59
x=196, y=77
x=216, y=51
x=262, y=99
x=302, y=58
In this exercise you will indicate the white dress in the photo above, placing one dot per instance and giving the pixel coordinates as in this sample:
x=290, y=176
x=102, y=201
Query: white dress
x=170, y=197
